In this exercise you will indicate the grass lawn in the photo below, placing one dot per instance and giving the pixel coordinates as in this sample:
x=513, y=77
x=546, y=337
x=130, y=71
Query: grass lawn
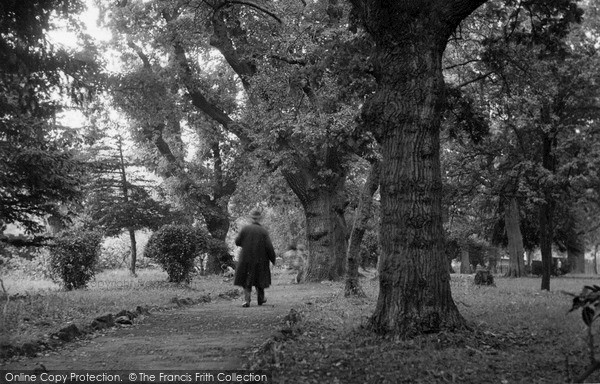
x=39, y=307
x=519, y=334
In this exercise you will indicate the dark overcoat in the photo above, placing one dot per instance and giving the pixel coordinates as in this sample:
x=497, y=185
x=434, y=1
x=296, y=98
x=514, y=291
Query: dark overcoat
x=253, y=264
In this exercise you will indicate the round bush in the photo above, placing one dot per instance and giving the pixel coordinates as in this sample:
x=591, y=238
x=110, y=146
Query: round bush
x=175, y=247
x=73, y=258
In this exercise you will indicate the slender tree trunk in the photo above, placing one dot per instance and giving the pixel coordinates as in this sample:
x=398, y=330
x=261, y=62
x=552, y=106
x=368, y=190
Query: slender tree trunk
x=494, y=257
x=133, y=252
x=465, y=262
x=363, y=213
x=596, y=258
x=576, y=253
x=546, y=213
x=404, y=115
x=516, y=267
x=547, y=216
x=125, y=191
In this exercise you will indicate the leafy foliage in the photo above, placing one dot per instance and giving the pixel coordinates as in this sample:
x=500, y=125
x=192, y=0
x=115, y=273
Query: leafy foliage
x=527, y=72
x=29, y=261
x=175, y=247
x=37, y=169
x=589, y=302
x=73, y=257
x=119, y=199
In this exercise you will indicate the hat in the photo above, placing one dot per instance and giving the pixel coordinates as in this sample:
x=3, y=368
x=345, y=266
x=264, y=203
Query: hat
x=255, y=214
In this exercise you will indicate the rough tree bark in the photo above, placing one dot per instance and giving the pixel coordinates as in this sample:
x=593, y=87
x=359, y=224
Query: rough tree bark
x=512, y=224
x=404, y=115
x=363, y=213
x=326, y=231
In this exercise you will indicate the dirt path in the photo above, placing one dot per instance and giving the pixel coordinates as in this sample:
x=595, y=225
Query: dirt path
x=220, y=335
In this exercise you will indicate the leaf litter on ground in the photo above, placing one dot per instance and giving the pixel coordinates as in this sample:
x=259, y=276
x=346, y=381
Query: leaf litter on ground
x=517, y=334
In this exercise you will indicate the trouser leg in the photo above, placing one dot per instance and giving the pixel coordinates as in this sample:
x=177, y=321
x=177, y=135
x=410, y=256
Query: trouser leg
x=260, y=292
x=247, y=295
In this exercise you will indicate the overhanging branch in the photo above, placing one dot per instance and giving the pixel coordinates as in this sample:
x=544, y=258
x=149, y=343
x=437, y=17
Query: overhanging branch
x=251, y=4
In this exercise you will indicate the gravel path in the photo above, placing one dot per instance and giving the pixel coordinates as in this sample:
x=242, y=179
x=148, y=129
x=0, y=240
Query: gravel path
x=220, y=335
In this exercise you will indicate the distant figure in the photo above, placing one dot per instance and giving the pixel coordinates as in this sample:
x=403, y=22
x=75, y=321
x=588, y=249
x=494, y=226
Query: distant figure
x=298, y=263
x=294, y=259
x=253, y=265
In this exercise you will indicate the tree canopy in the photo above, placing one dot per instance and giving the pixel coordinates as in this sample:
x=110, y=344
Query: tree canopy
x=38, y=170
x=475, y=120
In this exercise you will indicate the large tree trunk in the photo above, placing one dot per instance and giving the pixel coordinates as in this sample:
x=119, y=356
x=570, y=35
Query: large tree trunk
x=512, y=224
x=363, y=213
x=326, y=235
x=326, y=231
x=404, y=115
x=217, y=222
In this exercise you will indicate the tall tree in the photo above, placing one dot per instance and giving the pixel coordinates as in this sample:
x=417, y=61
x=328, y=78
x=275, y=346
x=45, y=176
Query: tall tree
x=536, y=68
x=515, y=58
x=404, y=115
x=117, y=198
x=362, y=215
x=309, y=122
x=303, y=121
x=37, y=168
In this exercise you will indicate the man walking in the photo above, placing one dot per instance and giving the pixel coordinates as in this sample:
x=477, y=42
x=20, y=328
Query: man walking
x=253, y=264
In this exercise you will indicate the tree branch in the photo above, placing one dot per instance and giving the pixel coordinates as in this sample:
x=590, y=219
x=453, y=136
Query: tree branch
x=251, y=4
x=289, y=60
x=140, y=53
x=202, y=103
x=461, y=64
x=480, y=77
x=37, y=241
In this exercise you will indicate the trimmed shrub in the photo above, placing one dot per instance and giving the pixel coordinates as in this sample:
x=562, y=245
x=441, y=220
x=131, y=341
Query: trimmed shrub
x=175, y=247
x=73, y=258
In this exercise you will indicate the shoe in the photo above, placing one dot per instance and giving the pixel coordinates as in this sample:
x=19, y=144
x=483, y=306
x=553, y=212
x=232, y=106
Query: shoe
x=262, y=302
x=246, y=305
